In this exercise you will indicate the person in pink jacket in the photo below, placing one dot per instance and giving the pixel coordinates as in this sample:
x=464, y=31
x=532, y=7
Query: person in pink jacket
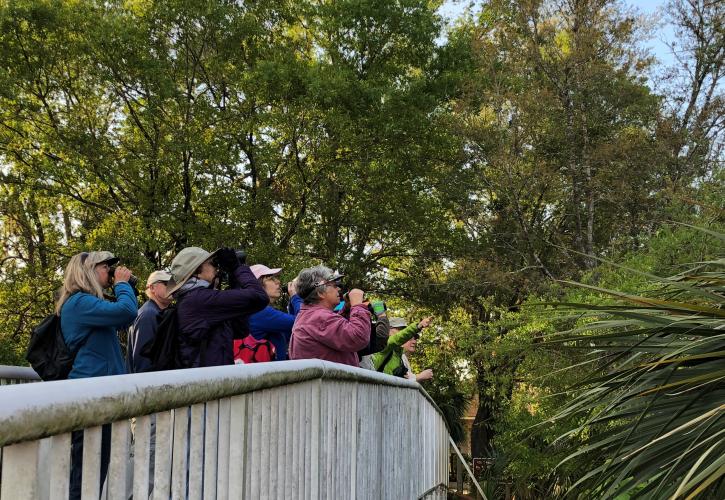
x=321, y=333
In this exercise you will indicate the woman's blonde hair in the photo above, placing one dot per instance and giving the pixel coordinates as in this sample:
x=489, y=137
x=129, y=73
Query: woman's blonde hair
x=78, y=278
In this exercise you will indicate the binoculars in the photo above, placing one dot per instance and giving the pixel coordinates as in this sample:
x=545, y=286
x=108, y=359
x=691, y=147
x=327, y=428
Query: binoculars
x=222, y=275
x=241, y=256
x=132, y=280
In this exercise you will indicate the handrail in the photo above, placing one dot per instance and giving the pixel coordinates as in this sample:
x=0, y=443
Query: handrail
x=294, y=429
x=442, y=487
x=18, y=373
x=468, y=469
x=34, y=411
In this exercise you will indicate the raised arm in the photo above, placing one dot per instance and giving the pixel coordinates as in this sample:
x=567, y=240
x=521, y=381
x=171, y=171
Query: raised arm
x=347, y=335
x=92, y=311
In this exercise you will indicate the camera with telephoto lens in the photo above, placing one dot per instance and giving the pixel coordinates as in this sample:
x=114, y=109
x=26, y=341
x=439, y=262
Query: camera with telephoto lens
x=132, y=280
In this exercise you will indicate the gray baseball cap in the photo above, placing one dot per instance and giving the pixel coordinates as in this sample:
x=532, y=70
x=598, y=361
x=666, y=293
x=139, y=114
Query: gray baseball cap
x=95, y=258
x=158, y=276
x=398, y=323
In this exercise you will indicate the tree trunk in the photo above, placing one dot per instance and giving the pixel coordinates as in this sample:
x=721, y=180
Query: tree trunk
x=482, y=431
x=67, y=225
x=40, y=233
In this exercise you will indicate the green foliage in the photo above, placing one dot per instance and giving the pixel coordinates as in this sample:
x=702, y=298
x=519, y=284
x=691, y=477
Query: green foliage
x=301, y=131
x=527, y=419
x=651, y=410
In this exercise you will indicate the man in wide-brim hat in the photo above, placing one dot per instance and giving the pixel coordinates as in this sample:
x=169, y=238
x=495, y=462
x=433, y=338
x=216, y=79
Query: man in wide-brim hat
x=206, y=314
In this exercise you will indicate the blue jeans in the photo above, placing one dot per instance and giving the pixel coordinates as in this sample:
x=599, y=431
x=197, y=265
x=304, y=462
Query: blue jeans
x=76, y=460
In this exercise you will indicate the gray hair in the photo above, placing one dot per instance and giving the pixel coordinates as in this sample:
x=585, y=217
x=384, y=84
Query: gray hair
x=307, y=282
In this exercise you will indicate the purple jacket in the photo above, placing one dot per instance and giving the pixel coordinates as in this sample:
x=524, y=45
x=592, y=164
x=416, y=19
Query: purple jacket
x=206, y=313
x=320, y=333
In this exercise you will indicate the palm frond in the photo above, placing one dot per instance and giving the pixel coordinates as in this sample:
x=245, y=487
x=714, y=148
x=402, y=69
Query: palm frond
x=652, y=413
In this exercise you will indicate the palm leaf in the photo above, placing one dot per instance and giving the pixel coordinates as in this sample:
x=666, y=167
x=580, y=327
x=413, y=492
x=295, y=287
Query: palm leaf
x=652, y=411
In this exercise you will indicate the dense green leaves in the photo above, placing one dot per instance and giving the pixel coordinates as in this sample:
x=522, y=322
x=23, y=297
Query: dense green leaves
x=653, y=409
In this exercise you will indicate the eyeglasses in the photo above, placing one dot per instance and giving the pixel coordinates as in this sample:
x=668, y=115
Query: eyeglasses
x=84, y=256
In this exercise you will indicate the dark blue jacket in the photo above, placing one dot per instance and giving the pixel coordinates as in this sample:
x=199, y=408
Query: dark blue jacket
x=275, y=326
x=92, y=324
x=207, y=315
x=141, y=332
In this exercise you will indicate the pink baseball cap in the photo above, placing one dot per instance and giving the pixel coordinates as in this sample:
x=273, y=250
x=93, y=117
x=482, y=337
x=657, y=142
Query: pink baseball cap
x=260, y=270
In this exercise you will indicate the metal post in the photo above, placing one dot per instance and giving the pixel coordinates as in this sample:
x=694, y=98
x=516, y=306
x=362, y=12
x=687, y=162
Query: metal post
x=459, y=475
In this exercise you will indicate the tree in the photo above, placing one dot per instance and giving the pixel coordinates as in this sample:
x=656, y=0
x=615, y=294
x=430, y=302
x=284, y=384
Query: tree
x=293, y=129
x=554, y=116
x=694, y=87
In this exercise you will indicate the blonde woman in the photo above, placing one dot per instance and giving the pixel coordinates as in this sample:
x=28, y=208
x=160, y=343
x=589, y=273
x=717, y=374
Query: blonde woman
x=88, y=321
x=89, y=324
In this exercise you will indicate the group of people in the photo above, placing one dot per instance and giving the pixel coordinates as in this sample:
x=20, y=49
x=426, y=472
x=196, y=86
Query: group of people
x=321, y=322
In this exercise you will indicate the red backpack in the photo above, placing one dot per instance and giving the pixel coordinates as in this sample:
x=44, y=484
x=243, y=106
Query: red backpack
x=251, y=350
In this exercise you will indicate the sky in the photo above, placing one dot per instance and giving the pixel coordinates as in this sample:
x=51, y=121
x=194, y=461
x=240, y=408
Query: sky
x=453, y=8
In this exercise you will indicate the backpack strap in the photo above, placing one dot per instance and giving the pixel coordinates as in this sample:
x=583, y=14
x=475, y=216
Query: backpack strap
x=385, y=362
x=204, y=341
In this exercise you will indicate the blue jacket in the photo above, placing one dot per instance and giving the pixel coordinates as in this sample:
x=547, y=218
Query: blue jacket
x=208, y=315
x=275, y=326
x=92, y=324
x=141, y=332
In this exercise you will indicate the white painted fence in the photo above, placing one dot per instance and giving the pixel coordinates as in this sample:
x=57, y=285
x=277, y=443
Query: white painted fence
x=17, y=375
x=296, y=429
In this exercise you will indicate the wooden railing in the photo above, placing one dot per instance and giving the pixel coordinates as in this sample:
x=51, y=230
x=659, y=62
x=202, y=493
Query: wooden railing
x=296, y=429
x=17, y=375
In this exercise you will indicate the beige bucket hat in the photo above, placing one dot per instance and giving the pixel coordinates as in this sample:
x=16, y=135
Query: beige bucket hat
x=184, y=264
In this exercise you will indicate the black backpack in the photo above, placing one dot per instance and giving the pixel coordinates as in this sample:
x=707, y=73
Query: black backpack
x=48, y=353
x=163, y=349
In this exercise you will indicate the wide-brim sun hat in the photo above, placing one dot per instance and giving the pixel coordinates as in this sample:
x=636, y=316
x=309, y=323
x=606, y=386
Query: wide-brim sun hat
x=259, y=270
x=184, y=264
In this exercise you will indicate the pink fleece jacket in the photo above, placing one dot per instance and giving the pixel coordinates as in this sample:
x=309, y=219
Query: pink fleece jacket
x=320, y=333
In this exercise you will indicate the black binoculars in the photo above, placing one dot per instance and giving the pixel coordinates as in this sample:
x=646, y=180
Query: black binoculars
x=222, y=275
x=132, y=280
x=241, y=256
